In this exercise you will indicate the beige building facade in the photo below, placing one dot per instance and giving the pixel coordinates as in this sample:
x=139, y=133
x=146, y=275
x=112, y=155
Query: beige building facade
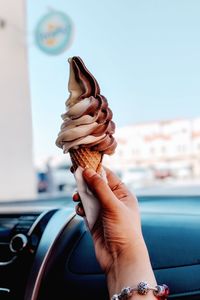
x=172, y=145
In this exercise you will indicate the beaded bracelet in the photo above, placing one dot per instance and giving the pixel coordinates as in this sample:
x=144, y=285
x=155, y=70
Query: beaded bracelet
x=159, y=291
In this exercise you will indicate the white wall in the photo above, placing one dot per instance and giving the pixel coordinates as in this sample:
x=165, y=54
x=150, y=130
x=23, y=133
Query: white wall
x=17, y=178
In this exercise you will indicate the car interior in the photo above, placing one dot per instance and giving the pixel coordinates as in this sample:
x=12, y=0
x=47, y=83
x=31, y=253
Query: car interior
x=46, y=249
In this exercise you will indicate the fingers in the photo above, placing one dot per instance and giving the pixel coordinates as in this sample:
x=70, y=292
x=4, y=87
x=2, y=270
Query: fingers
x=79, y=207
x=119, y=188
x=80, y=210
x=100, y=188
x=108, y=194
x=113, y=181
x=76, y=197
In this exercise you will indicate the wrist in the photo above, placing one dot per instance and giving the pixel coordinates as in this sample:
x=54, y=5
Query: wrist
x=129, y=269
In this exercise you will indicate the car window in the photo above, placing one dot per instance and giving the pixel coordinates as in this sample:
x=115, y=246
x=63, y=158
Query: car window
x=145, y=56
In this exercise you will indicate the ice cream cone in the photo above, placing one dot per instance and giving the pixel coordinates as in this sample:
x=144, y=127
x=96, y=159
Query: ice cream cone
x=84, y=157
x=87, y=122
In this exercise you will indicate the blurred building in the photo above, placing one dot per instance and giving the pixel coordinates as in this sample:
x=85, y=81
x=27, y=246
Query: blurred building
x=17, y=177
x=173, y=146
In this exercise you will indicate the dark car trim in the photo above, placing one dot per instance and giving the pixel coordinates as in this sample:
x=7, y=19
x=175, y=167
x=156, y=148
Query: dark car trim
x=54, y=229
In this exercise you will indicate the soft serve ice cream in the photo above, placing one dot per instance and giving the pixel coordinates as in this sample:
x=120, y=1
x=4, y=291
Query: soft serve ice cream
x=87, y=122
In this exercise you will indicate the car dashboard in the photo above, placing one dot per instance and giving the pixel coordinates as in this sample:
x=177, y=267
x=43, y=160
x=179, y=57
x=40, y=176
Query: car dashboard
x=45, y=249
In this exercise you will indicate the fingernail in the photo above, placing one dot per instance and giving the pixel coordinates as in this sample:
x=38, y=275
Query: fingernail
x=75, y=196
x=78, y=209
x=89, y=172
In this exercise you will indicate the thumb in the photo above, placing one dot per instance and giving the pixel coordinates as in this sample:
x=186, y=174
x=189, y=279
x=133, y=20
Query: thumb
x=100, y=188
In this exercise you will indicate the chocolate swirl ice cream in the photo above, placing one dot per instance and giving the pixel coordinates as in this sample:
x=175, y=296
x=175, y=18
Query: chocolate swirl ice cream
x=87, y=122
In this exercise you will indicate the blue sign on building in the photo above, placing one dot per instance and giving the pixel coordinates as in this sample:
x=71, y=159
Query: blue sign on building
x=53, y=33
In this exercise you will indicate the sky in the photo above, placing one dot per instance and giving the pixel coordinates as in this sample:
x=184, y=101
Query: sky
x=145, y=55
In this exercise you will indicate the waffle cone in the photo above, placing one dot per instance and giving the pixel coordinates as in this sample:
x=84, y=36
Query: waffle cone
x=84, y=157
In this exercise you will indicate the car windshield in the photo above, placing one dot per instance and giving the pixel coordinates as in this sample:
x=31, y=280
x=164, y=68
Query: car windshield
x=145, y=56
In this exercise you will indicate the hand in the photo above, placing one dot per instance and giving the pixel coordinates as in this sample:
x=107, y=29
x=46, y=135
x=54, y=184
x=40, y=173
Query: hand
x=117, y=234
